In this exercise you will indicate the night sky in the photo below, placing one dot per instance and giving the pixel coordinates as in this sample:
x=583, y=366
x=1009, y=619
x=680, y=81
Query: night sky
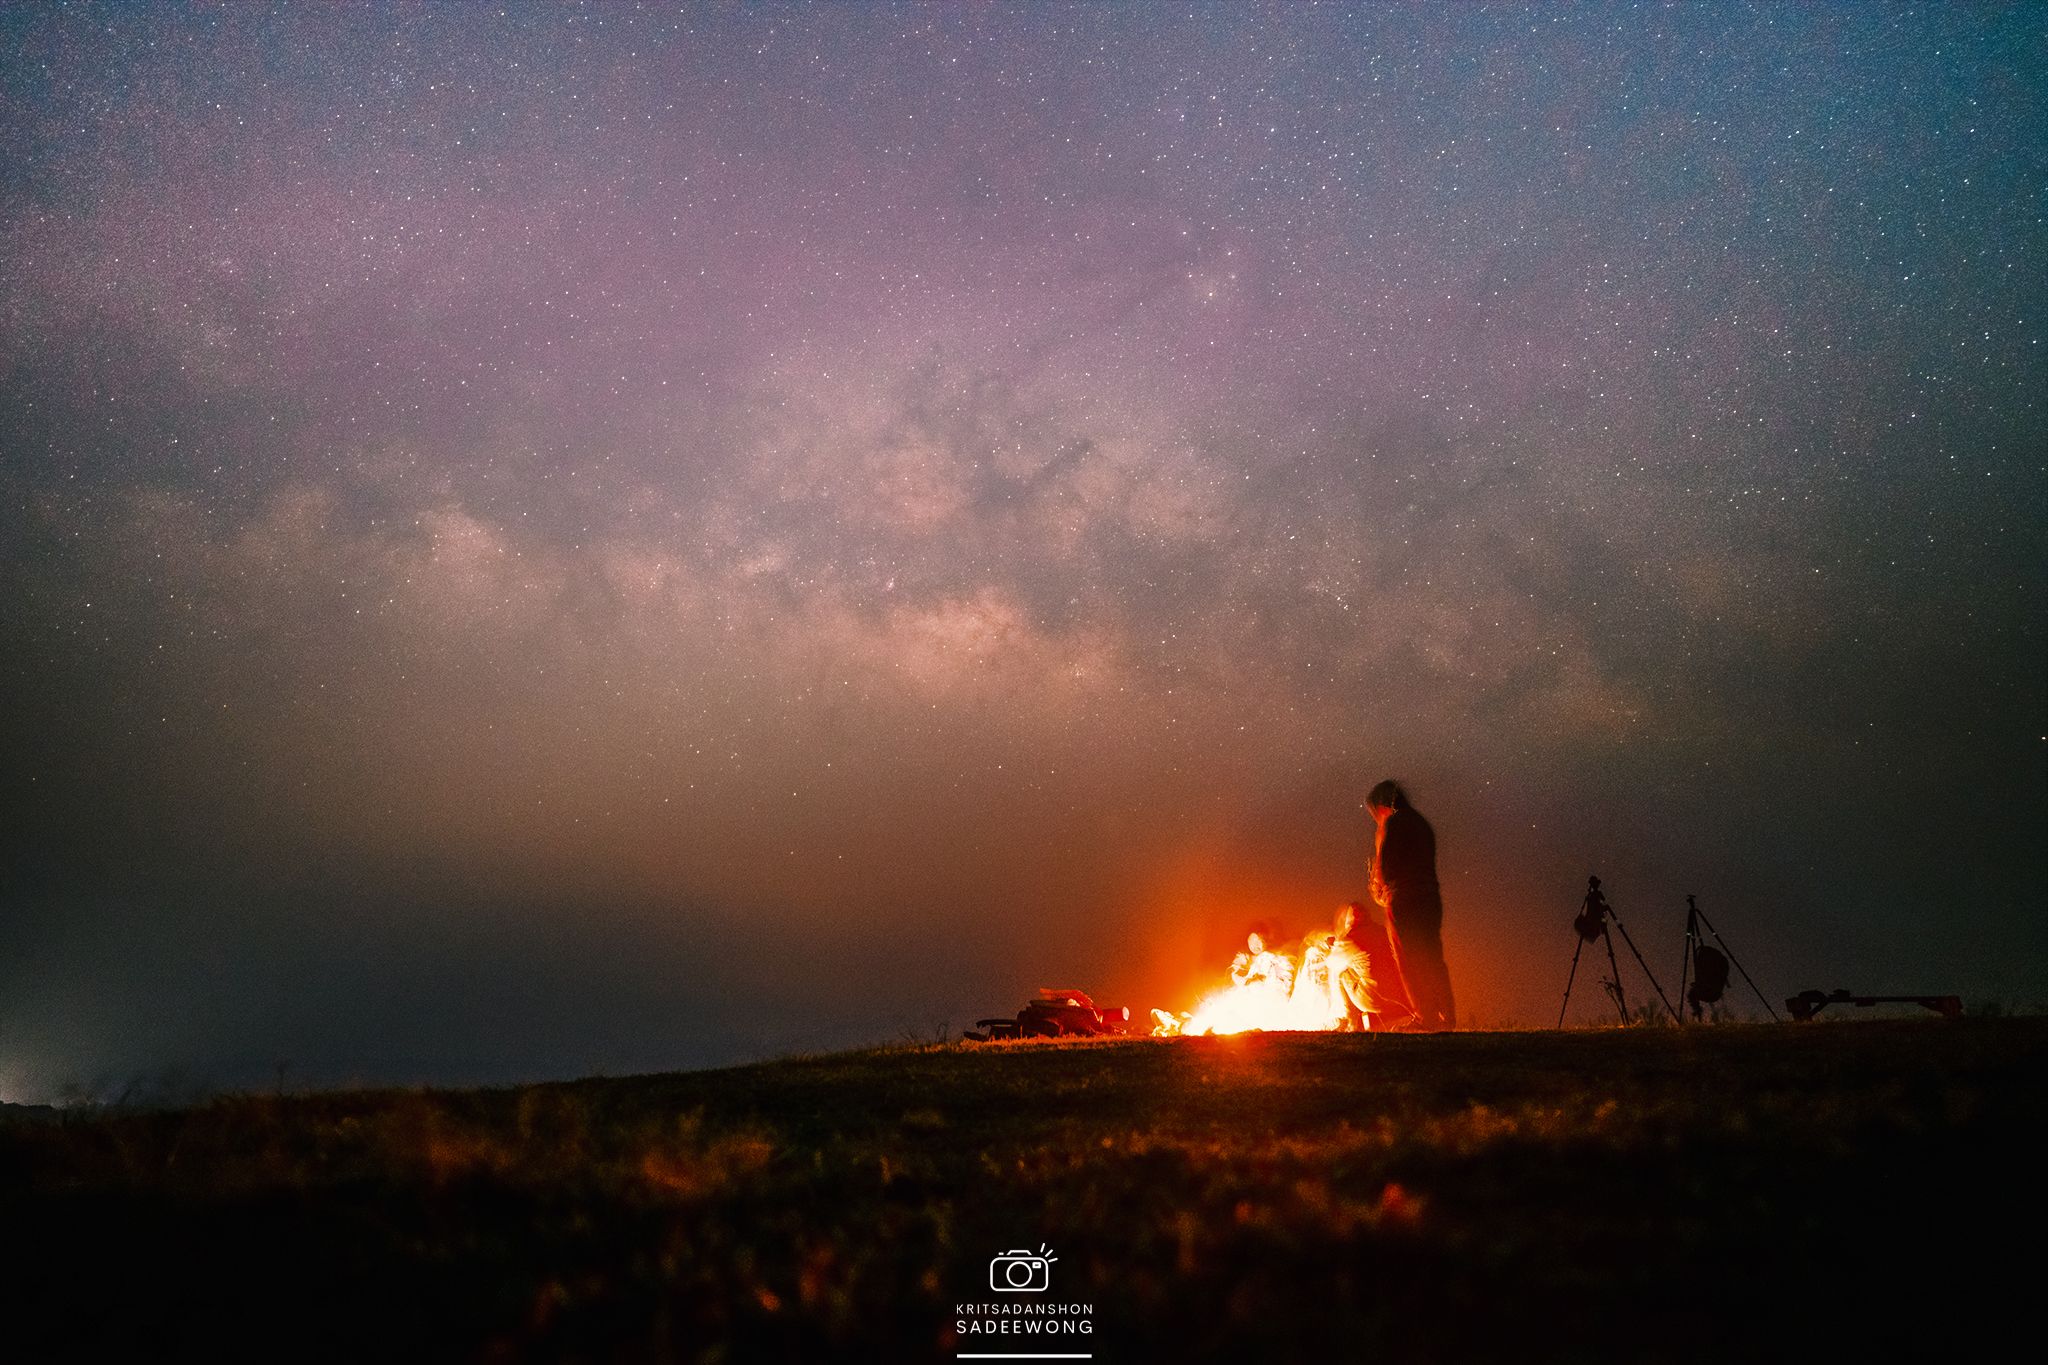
x=581, y=540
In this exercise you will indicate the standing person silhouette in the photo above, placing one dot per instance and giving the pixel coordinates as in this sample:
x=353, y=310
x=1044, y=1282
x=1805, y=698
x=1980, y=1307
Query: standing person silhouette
x=1404, y=885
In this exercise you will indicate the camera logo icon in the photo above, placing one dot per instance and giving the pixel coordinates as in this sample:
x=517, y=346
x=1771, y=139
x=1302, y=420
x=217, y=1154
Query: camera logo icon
x=1021, y=1271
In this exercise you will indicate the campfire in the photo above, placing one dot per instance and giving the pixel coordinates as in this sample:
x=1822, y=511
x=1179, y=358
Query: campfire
x=1325, y=985
x=1268, y=990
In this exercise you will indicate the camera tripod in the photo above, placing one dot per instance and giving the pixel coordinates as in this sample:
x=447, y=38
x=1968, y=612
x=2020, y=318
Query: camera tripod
x=1591, y=923
x=1712, y=976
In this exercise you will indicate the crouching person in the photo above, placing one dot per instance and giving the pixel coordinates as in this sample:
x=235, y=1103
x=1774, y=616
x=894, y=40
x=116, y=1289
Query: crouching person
x=1365, y=991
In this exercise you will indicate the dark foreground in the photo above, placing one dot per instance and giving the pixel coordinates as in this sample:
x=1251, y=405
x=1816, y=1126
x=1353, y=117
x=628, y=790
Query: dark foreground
x=1734, y=1193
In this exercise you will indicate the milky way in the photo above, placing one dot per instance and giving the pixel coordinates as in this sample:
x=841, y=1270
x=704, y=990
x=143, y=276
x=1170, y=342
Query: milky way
x=599, y=539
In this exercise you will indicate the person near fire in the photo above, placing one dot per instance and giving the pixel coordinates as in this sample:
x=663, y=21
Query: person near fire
x=1404, y=885
x=1365, y=987
x=1316, y=1004
x=1257, y=967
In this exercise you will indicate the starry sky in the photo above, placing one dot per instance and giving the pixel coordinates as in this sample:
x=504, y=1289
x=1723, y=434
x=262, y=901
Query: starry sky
x=568, y=539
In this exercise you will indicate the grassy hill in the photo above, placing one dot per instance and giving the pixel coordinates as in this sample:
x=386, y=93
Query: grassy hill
x=1747, y=1192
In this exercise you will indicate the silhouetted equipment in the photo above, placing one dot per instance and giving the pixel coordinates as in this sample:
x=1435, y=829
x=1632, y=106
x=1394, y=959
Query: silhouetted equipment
x=1708, y=967
x=1807, y=1004
x=1590, y=924
x=1058, y=1012
x=1709, y=978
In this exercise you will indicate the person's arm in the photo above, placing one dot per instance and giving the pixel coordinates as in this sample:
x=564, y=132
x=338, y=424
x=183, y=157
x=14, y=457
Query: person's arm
x=1376, y=884
x=1406, y=855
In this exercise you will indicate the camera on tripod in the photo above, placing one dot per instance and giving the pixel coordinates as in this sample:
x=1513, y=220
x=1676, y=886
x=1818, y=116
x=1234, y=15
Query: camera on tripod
x=1593, y=912
x=1591, y=925
x=1706, y=968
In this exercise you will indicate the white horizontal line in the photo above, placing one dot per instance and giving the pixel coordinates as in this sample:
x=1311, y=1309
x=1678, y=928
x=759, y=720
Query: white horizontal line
x=1031, y=1355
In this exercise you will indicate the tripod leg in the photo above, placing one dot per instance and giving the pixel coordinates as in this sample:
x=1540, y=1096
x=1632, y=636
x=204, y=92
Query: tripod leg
x=1685, y=957
x=1569, y=978
x=1620, y=998
x=1645, y=966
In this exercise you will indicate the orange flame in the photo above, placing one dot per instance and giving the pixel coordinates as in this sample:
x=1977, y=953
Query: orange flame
x=1318, y=991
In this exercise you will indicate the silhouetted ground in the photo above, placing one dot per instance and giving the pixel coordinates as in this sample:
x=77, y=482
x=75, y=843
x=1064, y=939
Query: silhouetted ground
x=1731, y=1193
